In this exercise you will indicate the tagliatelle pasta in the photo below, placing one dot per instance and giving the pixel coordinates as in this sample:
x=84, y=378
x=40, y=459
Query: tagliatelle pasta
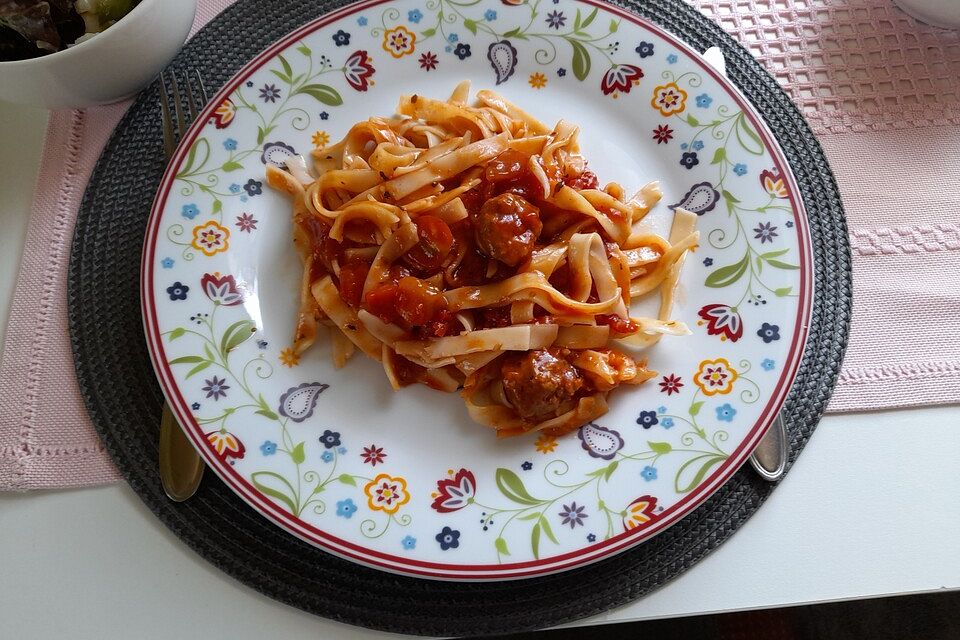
x=469, y=247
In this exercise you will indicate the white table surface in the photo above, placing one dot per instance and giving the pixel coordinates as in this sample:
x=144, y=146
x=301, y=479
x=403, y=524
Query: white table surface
x=870, y=509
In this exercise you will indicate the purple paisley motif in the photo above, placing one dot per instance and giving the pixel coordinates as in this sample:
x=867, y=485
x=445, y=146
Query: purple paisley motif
x=701, y=198
x=599, y=442
x=276, y=153
x=503, y=58
x=298, y=402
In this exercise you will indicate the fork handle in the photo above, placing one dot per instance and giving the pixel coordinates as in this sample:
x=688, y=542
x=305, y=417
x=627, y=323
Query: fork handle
x=181, y=467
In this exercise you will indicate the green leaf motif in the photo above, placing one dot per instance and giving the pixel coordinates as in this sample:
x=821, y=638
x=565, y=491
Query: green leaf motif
x=200, y=367
x=501, y=546
x=511, y=486
x=614, y=25
x=747, y=137
x=589, y=19
x=186, y=360
x=231, y=165
x=176, y=333
x=773, y=254
x=217, y=206
x=201, y=146
x=610, y=469
x=535, y=541
x=547, y=530
x=693, y=122
x=660, y=448
x=530, y=516
x=304, y=49
x=287, y=69
x=706, y=462
x=581, y=60
x=471, y=26
x=281, y=489
x=759, y=262
x=429, y=32
x=268, y=414
x=727, y=275
x=695, y=408
x=298, y=455
x=236, y=334
x=346, y=478
x=729, y=197
x=206, y=350
x=284, y=77
x=783, y=291
x=322, y=93
x=719, y=156
x=781, y=265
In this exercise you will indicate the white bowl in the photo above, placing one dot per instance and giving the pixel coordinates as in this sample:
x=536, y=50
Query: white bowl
x=107, y=67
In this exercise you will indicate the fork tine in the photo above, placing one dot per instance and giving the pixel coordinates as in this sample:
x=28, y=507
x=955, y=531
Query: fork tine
x=181, y=118
x=168, y=138
x=192, y=104
x=203, y=90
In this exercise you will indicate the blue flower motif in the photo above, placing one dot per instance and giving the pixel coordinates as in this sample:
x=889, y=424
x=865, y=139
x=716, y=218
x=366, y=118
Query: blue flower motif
x=526, y=466
x=268, y=448
x=230, y=144
x=490, y=15
x=178, y=291
x=462, y=51
x=341, y=38
x=262, y=344
x=342, y=450
x=672, y=58
x=704, y=100
x=362, y=21
x=452, y=38
x=346, y=508
x=327, y=456
x=661, y=409
x=235, y=188
x=684, y=146
x=789, y=224
x=324, y=115
x=725, y=412
x=414, y=16
x=591, y=537
x=649, y=473
x=768, y=364
x=189, y=211
x=708, y=262
x=244, y=198
x=195, y=406
x=167, y=263
x=644, y=49
x=698, y=145
x=253, y=187
x=448, y=48
x=689, y=159
x=740, y=169
x=667, y=423
x=409, y=542
x=647, y=419
x=330, y=439
x=769, y=332
x=561, y=72
x=448, y=538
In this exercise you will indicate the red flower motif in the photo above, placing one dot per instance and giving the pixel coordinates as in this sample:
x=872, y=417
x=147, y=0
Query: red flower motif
x=225, y=444
x=428, y=61
x=221, y=289
x=663, y=134
x=774, y=183
x=620, y=77
x=639, y=512
x=455, y=493
x=722, y=320
x=246, y=222
x=512, y=3
x=224, y=114
x=357, y=69
x=373, y=455
x=671, y=384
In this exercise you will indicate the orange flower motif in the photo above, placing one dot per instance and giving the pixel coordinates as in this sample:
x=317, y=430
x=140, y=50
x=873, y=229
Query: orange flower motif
x=774, y=184
x=537, y=80
x=320, y=139
x=715, y=377
x=399, y=41
x=289, y=357
x=211, y=238
x=546, y=444
x=224, y=114
x=669, y=99
x=639, y=512
x=386, y=493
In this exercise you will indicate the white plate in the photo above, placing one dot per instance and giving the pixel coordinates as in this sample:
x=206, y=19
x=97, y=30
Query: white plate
x=309, y=446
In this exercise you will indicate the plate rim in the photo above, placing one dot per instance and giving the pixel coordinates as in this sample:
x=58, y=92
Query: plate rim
x=488, y=572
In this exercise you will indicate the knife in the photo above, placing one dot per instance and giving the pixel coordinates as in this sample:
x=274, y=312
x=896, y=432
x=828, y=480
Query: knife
x=769, y=458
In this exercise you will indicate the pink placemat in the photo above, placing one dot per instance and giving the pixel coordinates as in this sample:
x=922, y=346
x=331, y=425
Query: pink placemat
x=881, y=91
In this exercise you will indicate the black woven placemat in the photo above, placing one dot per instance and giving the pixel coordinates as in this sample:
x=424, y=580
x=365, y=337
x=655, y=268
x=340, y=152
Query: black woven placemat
x=122, y=396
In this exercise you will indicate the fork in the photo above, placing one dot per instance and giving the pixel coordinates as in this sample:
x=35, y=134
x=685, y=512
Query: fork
x=181, y=467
